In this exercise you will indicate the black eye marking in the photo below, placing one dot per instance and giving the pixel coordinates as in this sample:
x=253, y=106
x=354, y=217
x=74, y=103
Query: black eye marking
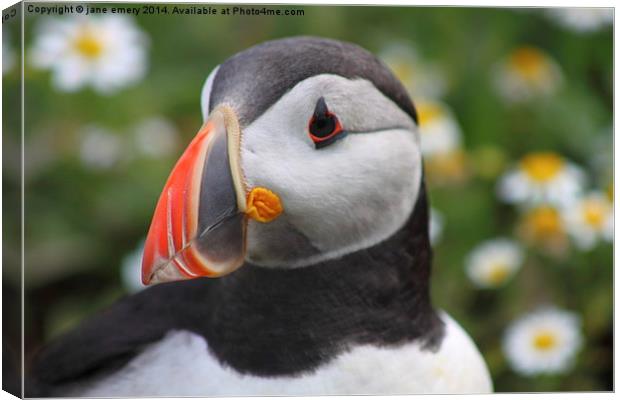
x=323, y=123
x=324, y=127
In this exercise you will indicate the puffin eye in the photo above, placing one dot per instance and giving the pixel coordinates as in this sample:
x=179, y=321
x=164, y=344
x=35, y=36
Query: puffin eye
x=324, y=127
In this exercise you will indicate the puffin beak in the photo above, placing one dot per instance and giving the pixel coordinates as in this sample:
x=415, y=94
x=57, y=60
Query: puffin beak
x=200, y=220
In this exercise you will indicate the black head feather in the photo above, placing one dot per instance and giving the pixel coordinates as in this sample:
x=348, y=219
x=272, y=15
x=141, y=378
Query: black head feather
x=281, y=64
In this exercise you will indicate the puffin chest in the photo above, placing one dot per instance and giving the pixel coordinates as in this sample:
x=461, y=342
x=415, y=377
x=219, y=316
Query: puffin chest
x=181, y=364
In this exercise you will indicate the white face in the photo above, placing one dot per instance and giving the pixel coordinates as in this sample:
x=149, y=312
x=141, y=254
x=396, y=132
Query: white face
x=340, y=198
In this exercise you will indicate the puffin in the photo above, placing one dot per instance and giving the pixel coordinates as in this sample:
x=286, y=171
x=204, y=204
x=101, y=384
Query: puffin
x=288, y=253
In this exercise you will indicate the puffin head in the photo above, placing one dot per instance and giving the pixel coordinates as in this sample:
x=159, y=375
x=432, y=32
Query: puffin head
x=309, y=151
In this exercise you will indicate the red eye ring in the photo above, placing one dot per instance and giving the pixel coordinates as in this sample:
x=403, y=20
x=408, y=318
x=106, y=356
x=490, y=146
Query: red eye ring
x=335, y=131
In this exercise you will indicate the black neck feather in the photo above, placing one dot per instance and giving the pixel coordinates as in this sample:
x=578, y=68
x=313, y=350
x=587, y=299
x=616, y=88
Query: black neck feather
x=285, y=321
x=263, y=321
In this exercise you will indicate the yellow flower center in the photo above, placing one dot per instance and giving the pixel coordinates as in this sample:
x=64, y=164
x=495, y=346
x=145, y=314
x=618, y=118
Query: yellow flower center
x=428, y=112
x=88, y=45
x=544, y=340
x=447, y=167
x=529, y=62
x=498, y=273
x=544, y=221
x=542, y=167
x=593, y=213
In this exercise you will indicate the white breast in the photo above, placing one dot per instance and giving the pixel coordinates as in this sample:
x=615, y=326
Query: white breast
x=180, y=365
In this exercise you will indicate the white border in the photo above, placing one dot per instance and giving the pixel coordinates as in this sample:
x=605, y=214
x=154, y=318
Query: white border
x=480, y=3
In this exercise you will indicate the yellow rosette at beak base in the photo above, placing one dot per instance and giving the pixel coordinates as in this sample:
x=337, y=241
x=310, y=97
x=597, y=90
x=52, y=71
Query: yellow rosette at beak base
x=263, y=205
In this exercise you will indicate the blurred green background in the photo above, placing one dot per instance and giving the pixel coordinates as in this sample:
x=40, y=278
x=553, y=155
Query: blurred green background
x=84, y=220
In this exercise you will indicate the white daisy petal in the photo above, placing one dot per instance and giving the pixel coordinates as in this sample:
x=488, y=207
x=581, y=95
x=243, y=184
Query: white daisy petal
x=526, y=73
x=445, y=160
x=439, y=130
x=420, y=78
x=99, y=148
x=541, y=177
x=545, y=341
x=115, y=75
x=70, y=74
x=513, y=187
x=582, y=19
x=492, y=263
x=131, y=267
x=589, y=219
x=106, y=53
x=8, y=57
x=155, y=137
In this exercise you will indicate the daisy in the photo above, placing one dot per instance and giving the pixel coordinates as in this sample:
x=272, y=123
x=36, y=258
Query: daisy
x=589, y=219
x=439, y=130
x=582, y=19
x=8, y=57
x=131, y=266
x=525, y=74
x=421, y=79
x=492, y=263
x=541, y=177
x=545, y=341
x=542, y=226
x=99, y=148
x=155, y=137
x=435, y=226
x=107, y=53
